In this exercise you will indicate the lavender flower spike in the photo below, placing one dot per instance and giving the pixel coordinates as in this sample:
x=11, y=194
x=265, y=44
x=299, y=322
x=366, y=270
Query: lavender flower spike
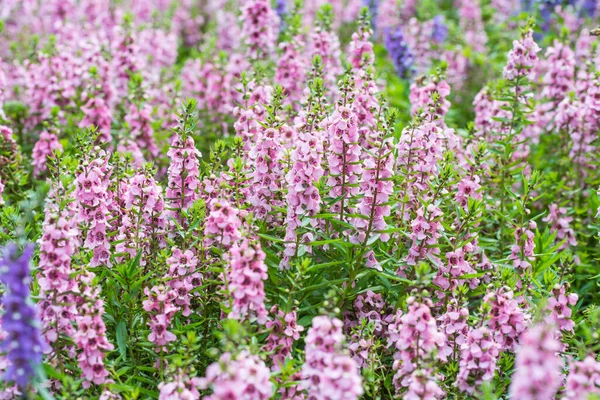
x=23, y=344
x=401, y=55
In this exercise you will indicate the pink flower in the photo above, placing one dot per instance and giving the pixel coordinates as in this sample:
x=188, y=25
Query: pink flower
x=245, y=280
x=291, y=70
x=93, y=198
x=284, y=332
x=583, y=379
x=507, y=320
x=182, y=387
x=327, y=371
x=538, y=367
x=161, y=307
x=58, y=289
x=259, y=24
x=479, y=355
x=90, y=336
x=559, y=305
x=223, y=225
x=183, y=181
x=46, y=145
x=243, y=377
x=416, y=339
x=522, y=58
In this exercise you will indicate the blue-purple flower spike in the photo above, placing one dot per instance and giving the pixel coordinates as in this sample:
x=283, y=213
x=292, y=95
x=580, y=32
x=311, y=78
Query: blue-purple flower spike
x=23, y=344
x=401, y=55
x=440, y=29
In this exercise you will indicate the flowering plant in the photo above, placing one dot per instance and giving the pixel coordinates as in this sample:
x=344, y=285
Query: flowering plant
x=299, y=200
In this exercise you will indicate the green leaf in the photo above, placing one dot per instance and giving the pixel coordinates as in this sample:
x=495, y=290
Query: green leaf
x=122, y=339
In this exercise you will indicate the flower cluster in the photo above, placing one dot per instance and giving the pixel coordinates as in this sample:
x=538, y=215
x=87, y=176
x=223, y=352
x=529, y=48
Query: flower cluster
x=245, y=278
x=538, y=367
x=326, y=368
x=478, y=359
x=46, y=145
x=507, y=319
x=284, y=331
x=161, y=306
x=416, y=339
x=522, y=58
x=394, y=201
x=23, y=343
x=91, y=336
x=244, y=376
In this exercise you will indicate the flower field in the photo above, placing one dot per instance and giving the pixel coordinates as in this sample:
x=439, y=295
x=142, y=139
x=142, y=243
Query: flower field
x=255, y=199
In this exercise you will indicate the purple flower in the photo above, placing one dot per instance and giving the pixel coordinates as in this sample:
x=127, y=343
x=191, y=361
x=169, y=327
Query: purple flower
x=439, y=31
x=401, y=55
x=281, y=10
x=23, y=343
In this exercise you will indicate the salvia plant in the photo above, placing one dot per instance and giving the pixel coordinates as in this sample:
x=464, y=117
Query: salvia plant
x=252, y=200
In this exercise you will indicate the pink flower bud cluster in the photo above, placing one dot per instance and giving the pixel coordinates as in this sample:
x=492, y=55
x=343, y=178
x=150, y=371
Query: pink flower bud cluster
x=560, y=223
x=284, y=331
x=538, y=367
x=416, y=339
x=291, y=70
x=92, y=197
x=454, y=324
x=419, y=152
x=143, y=224
x=487, y=109
x=58, y=289
x=422, y=97
x=559, y=304
x=344, y=156
x=90, y=336
x=210, y=84
x=183, y=277
x=426, y=230
x=184, y=175
x=478, y=359
x=222, y=227
x=161, y=307
x=369, y=309
x=507, y=320
x=259, y=28
x=327, y=371
x=181, y=387
x=325, y=43
x=523, y=250
x=421, y=386
x=468, y=187
x=140, y=121
x=522, y=58
x=267, y=175
x=46, y=145
x=360, y=49
x=471, y=22
x=243, y=377
x=377, y=188
x=247, y=125
x=583, y=379
x=245, y=279
x=559, y=78
x=449, y=273
x=303, y=197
